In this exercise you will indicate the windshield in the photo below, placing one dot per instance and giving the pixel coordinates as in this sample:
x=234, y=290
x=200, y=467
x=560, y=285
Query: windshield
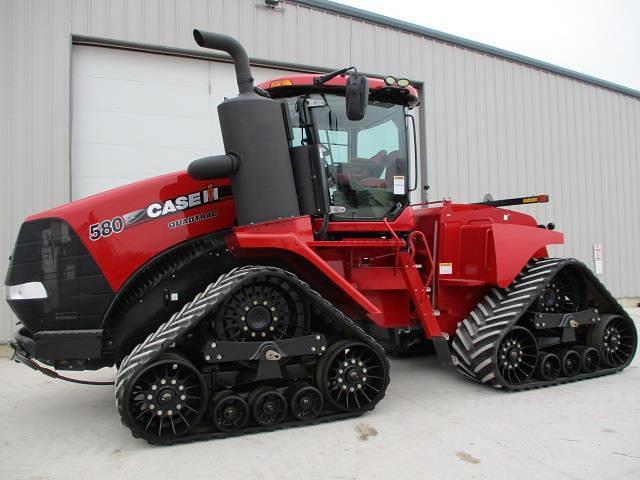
x=365, y=161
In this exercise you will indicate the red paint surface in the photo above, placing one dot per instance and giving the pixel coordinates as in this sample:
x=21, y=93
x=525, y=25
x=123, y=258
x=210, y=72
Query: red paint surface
x=485, y=246
x=382, y=274
x=120, y=255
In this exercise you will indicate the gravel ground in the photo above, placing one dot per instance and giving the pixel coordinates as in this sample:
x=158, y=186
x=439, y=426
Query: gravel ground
x=432, y=424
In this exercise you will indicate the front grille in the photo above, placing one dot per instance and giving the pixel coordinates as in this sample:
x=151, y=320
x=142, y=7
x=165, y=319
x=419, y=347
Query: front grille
x=49, y=251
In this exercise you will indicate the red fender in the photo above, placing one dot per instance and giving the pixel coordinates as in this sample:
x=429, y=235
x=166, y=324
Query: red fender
x=514, y=245
x=294, y=235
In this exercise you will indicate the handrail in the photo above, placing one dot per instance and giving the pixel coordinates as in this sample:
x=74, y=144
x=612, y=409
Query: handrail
x=444, y=201
x=417, y=234
x=396, y=238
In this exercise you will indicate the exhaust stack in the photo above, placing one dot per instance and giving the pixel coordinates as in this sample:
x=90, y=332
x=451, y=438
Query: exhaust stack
x=255, y=141
x=227, y=44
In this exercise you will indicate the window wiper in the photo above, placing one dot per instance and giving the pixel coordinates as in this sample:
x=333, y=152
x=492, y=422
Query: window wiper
x=325, y=78
x=331, y=114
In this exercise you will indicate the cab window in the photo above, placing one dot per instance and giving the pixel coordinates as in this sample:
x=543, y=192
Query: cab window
x=380, y=137
x=365, y=160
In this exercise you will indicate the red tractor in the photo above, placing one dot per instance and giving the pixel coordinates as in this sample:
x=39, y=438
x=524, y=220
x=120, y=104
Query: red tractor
x=261, y=288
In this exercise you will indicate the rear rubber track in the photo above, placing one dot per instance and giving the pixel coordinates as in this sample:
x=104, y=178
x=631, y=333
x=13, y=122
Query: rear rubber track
x=478, y=337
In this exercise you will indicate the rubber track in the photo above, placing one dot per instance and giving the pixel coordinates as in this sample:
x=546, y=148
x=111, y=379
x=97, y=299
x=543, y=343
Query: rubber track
x=204, y=303
x=474, y=348
x=215, y=435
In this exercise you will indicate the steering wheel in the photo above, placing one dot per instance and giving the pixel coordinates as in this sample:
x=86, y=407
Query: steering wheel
x=379, y=157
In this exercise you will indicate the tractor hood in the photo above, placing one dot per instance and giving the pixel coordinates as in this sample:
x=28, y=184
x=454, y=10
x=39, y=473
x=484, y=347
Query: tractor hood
x=135, y=222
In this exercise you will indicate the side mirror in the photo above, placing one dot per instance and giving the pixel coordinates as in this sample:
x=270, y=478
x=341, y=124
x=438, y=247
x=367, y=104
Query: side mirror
x=357, y=96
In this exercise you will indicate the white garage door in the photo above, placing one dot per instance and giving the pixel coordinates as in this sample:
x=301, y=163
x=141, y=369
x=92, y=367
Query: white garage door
x=136, y=115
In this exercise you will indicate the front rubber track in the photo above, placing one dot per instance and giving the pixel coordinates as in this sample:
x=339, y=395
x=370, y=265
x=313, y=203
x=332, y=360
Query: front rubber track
x=204, y=303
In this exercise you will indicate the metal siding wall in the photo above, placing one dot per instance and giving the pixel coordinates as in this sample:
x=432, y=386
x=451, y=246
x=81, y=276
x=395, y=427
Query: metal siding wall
x=497, y=126
x=34, y=118
x=492, y=125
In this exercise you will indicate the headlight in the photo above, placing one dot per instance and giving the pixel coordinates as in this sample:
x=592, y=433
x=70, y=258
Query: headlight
x=390, y=80
x=25, y=291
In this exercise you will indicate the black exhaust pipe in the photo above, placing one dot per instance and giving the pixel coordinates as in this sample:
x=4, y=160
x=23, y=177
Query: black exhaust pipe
x=227, y=44
x=255, y=141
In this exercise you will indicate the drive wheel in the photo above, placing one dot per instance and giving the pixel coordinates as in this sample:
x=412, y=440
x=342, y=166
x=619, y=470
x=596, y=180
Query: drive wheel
x=166, y=399
x=268, y=406
x=563, y=294
x=352, y=376
x=230, y=411
x=305, y=401
x=268, y=308
x=616, y=338
x=517, y=355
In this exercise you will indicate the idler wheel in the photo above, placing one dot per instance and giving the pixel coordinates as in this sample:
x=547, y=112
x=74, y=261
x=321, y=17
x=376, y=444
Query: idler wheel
x=616, y=338
x=165, y=399
x=351, y=375
x=517, y=355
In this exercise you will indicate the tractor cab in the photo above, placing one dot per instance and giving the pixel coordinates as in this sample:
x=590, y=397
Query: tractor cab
x=331, y=146
x=353, y=136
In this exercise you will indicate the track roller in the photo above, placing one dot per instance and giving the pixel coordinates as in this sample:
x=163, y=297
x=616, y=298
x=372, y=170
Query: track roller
x=230, y=411
x=305, y=401
x=268, y=406
x=589, y=358
x=548, y=366
x=570, y=361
